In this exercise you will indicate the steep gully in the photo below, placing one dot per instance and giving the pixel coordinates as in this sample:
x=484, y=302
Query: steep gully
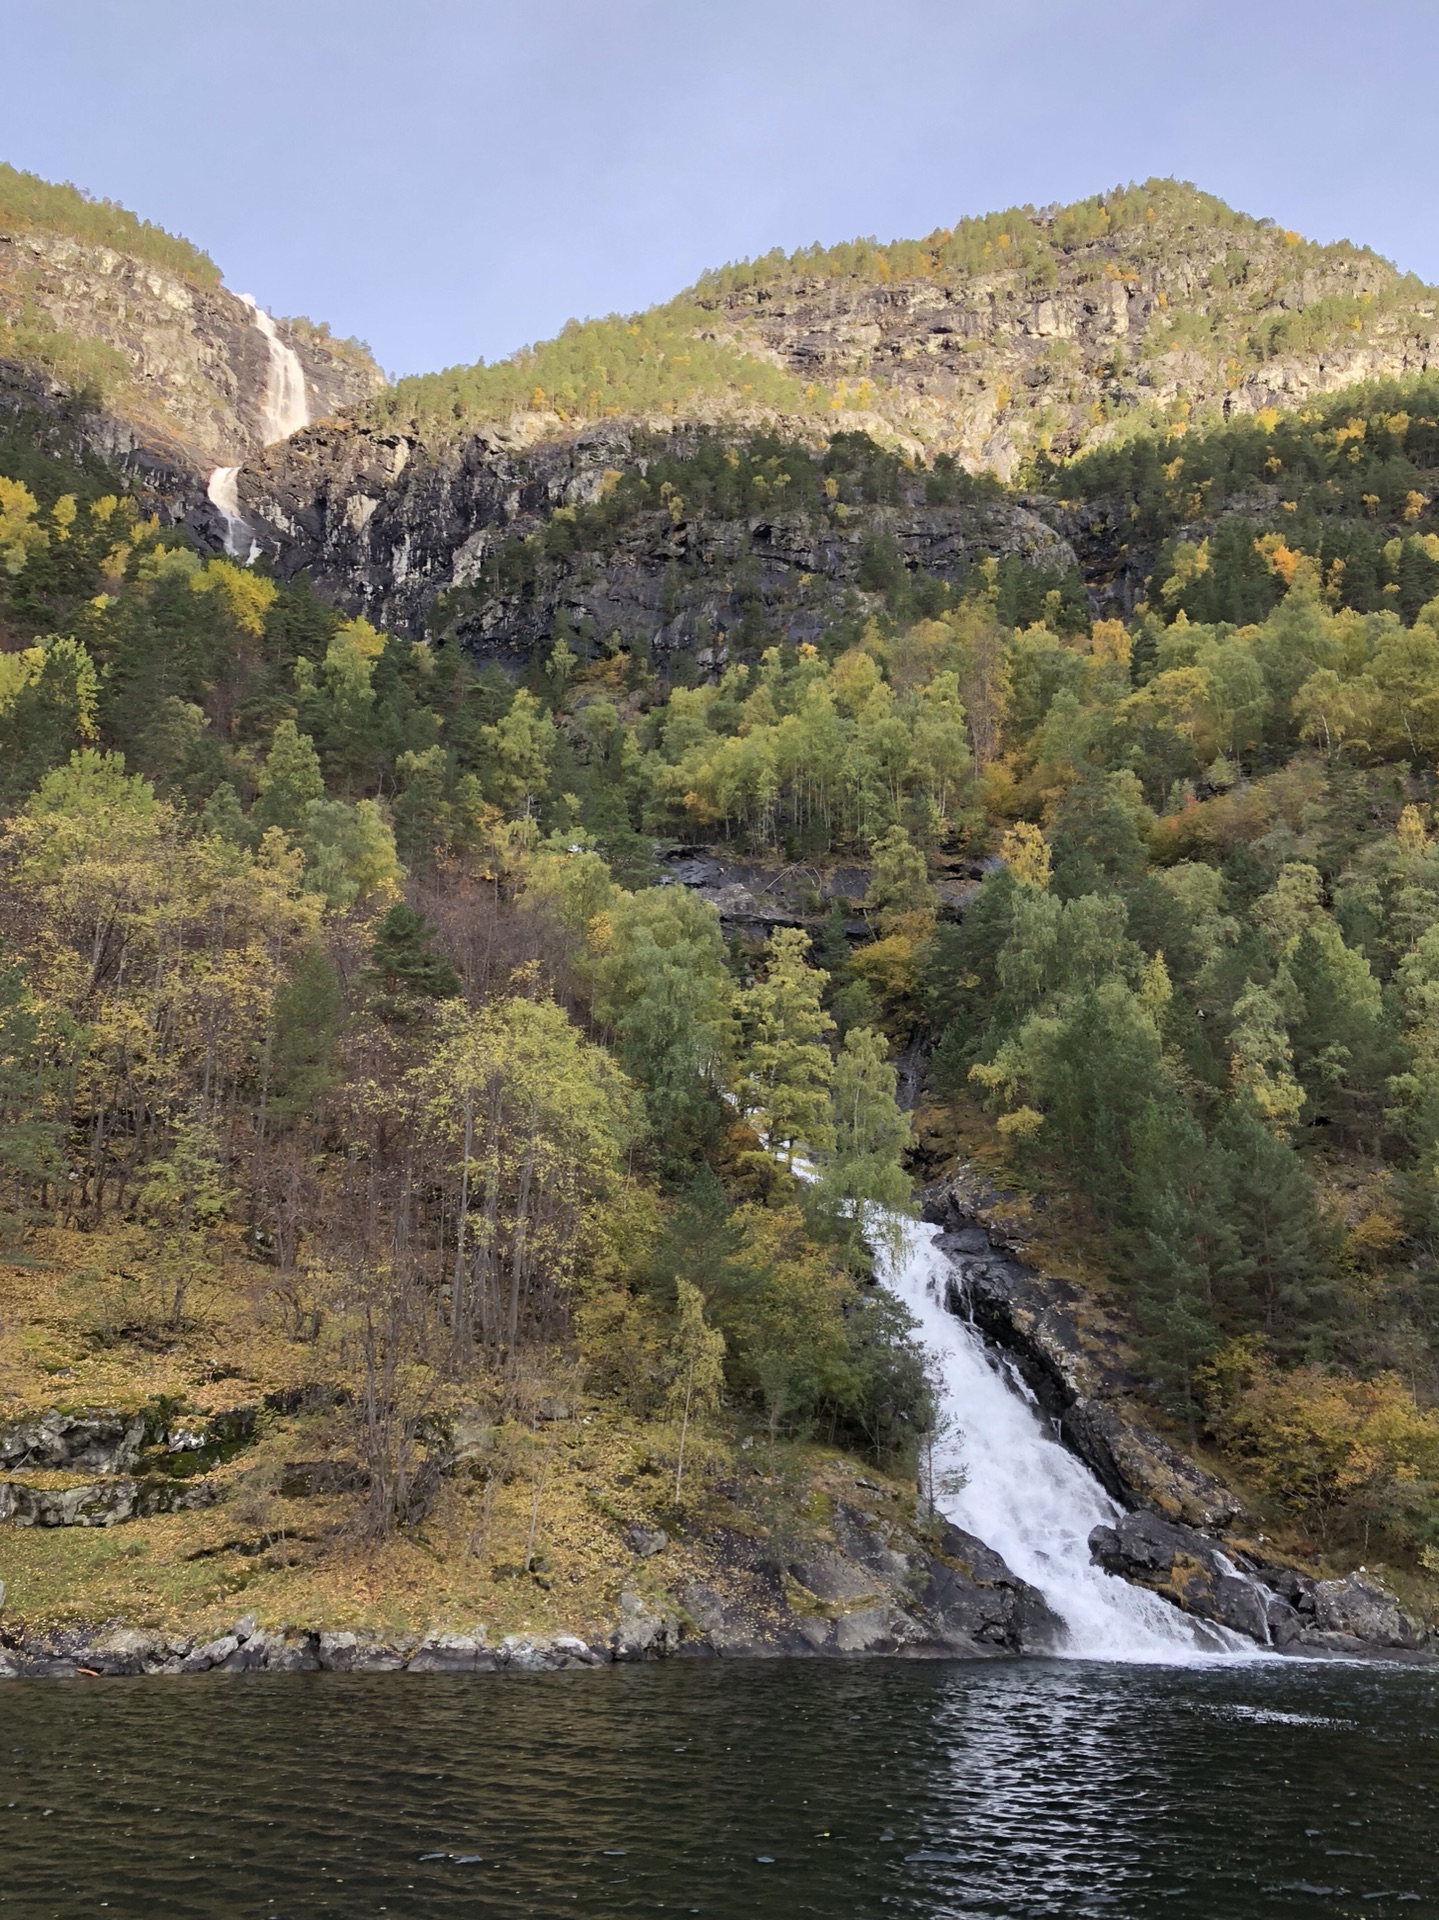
x=284, y=410
x=1002, y=1474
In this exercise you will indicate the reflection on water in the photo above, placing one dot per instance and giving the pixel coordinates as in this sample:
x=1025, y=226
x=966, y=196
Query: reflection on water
x=1007, y=1791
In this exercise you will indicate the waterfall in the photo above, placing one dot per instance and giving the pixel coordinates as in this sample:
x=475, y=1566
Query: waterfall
x=284, y=409
x=1020, y=1490
x=224, y=495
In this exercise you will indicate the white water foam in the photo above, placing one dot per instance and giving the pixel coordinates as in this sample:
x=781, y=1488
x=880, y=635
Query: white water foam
x=284, y=409
x=1023, y=1493
x=224, y=495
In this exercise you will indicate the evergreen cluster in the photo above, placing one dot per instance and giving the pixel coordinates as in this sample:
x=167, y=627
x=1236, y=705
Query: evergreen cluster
x=30, y=204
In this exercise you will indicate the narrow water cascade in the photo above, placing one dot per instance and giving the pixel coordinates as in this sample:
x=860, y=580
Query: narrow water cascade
x=284, y=409
x=224, y=495
x=286, y=406
x=1017, y=1488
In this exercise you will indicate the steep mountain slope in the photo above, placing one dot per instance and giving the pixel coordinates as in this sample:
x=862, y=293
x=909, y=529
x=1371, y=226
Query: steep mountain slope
x=1004, y=342
x=91, y=298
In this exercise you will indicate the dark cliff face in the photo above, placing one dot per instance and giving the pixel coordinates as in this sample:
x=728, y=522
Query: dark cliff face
x=190, y=366
x=385, y=524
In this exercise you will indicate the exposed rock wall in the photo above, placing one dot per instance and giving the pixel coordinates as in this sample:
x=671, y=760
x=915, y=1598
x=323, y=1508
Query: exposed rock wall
x=384, y=521
x=990, y=365
x=197, y=364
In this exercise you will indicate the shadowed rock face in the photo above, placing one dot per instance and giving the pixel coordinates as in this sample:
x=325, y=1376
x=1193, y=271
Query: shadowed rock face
x=384, y=521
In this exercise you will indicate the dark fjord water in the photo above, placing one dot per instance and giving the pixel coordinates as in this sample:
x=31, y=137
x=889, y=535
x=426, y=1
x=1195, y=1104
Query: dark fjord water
x=1009, y=1791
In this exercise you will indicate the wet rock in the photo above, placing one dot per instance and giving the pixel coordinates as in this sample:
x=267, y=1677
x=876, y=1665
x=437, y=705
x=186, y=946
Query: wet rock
x=1188, y=1569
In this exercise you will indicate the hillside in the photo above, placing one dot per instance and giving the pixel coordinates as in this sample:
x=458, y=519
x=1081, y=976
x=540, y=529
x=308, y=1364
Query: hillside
x=1007, y=335
x=94, y=300
x=429, y=949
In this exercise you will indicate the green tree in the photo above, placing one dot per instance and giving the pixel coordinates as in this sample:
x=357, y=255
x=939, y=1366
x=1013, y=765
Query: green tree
x=865, y=1166
x=661, y=985
x=786, y=1070
x=404, y=962
x=290, y=781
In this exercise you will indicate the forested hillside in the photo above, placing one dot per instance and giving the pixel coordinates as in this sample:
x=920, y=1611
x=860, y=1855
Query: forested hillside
x=368, y=1035
x=999, y=339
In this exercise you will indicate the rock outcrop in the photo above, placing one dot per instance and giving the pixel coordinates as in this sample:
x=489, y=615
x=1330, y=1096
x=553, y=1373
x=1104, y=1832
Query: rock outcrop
x=385, y=520
x=1278, y=1606
x=1162, y=312
x=100, y=1503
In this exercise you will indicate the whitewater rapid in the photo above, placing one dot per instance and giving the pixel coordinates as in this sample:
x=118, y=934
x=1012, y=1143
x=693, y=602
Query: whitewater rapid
x=284, y=409
x=1002, y=1475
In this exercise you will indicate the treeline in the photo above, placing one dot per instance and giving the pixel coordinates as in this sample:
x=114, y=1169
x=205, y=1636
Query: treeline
x=659, y=362
x=28, y=203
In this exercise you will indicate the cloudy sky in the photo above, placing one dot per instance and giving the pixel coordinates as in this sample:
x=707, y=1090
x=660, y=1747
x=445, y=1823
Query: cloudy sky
x=449, y=179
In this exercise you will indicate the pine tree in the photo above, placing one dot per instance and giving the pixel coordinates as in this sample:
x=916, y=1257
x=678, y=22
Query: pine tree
x=786, y=1074
x=404, y=962
x=289, y=780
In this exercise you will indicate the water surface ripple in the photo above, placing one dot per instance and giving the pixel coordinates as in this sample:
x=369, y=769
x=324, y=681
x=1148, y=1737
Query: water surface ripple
x=994, y=1792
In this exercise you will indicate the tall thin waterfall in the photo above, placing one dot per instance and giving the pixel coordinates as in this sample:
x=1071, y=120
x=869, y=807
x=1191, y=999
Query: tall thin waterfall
x=284, y=409
x=1020, y=1490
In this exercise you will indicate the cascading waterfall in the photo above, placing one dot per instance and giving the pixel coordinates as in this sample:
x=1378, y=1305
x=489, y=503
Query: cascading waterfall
x=1023, y=1493
x=224, y=495
x=284, y=409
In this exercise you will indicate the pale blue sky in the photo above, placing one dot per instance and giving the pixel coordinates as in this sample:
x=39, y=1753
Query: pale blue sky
x=451, y=178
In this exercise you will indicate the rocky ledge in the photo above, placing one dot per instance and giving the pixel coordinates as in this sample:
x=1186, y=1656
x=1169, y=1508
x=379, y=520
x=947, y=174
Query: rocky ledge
x=860, y=1594
x=1279, y=1606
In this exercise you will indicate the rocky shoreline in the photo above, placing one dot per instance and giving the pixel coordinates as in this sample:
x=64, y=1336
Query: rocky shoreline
x=884, y=1577
x=870, y=1594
